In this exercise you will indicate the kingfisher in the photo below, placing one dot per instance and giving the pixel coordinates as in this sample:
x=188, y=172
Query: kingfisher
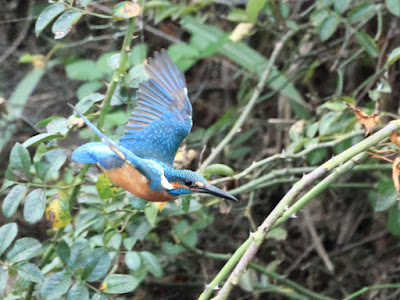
x=141, y=162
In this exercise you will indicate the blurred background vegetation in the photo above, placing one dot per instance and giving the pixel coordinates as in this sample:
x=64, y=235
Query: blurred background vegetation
x=307, y=59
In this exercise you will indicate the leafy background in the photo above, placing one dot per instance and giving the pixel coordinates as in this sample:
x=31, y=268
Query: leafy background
x=101, y=243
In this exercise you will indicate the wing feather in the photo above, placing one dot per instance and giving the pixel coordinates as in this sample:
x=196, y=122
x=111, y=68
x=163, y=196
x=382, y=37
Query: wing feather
x=163, y=115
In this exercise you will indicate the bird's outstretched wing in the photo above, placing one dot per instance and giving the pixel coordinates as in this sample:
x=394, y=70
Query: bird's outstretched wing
x=163, y=115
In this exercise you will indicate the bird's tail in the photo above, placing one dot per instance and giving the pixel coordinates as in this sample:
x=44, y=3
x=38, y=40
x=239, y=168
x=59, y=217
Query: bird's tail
x=113, y=146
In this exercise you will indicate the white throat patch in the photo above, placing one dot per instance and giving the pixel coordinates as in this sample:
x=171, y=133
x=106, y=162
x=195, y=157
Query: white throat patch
x=165, y=183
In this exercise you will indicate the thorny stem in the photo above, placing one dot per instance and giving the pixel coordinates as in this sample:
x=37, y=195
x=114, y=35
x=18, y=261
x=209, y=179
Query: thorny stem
x=279, y=278
x=252, y=244
x=257, y=91
x=126, y=44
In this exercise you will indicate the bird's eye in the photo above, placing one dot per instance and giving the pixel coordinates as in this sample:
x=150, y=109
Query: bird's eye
x=188, y=183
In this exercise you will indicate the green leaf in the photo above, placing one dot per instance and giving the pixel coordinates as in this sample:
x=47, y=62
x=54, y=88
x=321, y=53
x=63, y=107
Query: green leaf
x=126, y=9
x=83, y=70
x=317, y=155
x=367, y=43
x=102, y=63
x=58, y=126
x=237, y=15
x=137, y=75
x=47, y=15
x=35, y=204
x=253, y=7
x=3, y=279
x=393, y=56
x=41, y=138
x=105, y=187
x=80, y=252
x=186, y=233
x=8, y=232
x=84, y=3
x=84, y=104
x=24, y=249
x=361, y=12
x=97, y=265
x=219, y=169
x=78, y=292
x=115, y=241
x=318, y=16
x=88, y=88
x=171, y=249
x=64, y=23
x=30, y=272
x=151, y=213
x=46, y=121
x=138, y=54
x=98, y=297
x=341, y=5
x=386, y=196
x=63, y=251
x=129, y=242
x=6, y=184
x=183, y=55
x=151, y=263
x=284, y=8
x=328, y=27
x=20, y=162
x=119, y=284
x=12, y=200
x=394, y=7
x=139, y=228
x=132, y=260
x=326, y=122
x=136, y=202
x=394, y=220
x=113, y=61
x=56, y=285
x=277, y=234
x=23, y=91
x=50, y=163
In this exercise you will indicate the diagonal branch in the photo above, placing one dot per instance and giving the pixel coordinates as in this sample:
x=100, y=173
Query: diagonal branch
x=256, y=94
x=253, y=243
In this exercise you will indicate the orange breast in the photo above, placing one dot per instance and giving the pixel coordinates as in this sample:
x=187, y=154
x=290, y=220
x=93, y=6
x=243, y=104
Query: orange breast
x=134, y=182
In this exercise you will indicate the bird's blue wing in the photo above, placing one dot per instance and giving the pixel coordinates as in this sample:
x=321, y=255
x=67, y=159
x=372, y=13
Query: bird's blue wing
x=163, y=115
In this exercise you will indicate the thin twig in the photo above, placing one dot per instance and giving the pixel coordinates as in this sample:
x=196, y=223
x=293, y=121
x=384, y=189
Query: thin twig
x=21, y=35
x=256, y=94
x=319, y=247
x=287, y=156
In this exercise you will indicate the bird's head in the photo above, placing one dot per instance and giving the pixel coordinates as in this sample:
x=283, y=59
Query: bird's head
x=187, y=182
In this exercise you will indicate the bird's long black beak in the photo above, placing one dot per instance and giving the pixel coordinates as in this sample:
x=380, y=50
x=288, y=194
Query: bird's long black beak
x=210, y=189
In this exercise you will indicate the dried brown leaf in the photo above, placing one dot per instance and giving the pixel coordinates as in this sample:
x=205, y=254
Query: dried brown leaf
x=368, y=121
x=396, y=173
x=395, y=138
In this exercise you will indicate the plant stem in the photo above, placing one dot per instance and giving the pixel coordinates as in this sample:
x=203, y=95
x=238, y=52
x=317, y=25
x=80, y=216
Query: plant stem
x=126, y=47
x=256, y=94
x=107, y=99
x=255, y=240
x=373, y=287
x=279, y=278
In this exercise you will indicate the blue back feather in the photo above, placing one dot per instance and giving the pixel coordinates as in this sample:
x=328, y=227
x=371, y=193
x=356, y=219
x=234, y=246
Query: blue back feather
x=163, y=115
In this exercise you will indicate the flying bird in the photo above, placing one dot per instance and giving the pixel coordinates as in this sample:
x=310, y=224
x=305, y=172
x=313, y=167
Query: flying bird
x=141, y=162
